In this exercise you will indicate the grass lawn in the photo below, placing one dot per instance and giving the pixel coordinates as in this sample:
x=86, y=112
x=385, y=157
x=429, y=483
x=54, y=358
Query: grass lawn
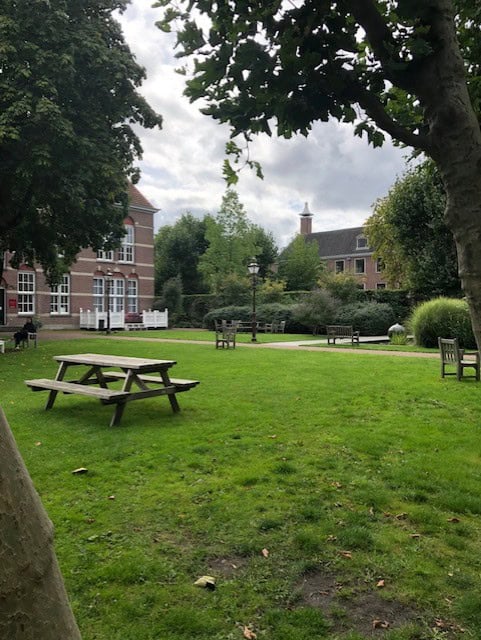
x=204, y=334
x=329, y=496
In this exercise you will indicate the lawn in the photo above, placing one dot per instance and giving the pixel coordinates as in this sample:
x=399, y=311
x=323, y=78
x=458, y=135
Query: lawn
x=204, y=334
x=329, y=496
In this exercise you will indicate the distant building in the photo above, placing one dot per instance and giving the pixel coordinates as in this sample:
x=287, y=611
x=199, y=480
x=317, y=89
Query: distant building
x=122, y=279
x=345, y=251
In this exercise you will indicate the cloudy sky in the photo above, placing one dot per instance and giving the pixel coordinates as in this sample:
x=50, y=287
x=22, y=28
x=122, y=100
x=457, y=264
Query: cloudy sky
x=337, y=174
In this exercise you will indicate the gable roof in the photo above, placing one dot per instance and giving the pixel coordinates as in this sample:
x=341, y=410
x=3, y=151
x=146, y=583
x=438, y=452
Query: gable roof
x=138, y=201
x=338, y=243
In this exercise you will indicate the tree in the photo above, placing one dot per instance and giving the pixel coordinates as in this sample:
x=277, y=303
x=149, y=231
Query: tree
x=177, y=252
x=231, y=242
x=299, y=265
x=68, y=99
x=33, y=600
x=265, y=248
x=409, y=69
x=316, y=310
x=408, y=232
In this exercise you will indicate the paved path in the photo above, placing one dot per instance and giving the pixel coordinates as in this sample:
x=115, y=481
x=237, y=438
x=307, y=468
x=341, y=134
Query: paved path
x=301, y=345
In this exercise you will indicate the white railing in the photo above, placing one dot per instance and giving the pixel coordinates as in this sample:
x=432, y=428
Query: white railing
x=98, y=320
x=155, y=319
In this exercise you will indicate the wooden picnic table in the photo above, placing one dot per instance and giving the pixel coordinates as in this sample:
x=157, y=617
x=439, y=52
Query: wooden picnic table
x=94, y=382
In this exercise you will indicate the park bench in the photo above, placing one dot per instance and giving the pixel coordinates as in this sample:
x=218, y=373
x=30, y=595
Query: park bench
x=225, y=336
x=452, y=355
x=340, y=332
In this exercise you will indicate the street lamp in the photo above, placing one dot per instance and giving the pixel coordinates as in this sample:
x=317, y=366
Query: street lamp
x=108, y=282
x=253, y=269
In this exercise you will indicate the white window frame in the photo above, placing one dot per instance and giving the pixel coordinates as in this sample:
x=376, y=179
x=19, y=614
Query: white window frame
x=356, y=262
x=339, y=262
x=117, y=294
x=361, y=242
x=126, y=251
x=105, y=256
x=26, y=289
x=60, y=297
x=98, y=294
x=132, y=295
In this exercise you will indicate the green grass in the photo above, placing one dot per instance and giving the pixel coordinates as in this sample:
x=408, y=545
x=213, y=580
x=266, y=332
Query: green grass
x=204, y=334
x=348, y=472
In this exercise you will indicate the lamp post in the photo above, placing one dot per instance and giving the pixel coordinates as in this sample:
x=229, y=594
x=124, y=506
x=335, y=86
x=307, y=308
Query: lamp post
x=253, y=269
x=108, y=282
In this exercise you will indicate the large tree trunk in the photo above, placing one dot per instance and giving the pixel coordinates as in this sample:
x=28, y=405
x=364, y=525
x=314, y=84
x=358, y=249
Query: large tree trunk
x=33, y=601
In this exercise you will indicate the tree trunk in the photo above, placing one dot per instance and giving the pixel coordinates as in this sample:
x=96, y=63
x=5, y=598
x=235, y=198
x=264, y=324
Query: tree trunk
x=33, y=601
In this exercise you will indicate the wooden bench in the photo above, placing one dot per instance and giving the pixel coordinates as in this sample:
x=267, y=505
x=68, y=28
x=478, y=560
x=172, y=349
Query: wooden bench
x=340, y=332
x=107, y=396
x=180, y=385
x=452, y=355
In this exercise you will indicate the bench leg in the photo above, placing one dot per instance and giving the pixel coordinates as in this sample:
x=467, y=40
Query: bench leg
x=172, y=399
x=118, y=413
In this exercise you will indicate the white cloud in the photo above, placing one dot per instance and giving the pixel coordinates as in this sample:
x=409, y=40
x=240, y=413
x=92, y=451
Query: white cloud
x=339, y=175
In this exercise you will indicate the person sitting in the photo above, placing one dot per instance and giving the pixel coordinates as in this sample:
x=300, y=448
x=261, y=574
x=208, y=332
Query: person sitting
x=22, y=335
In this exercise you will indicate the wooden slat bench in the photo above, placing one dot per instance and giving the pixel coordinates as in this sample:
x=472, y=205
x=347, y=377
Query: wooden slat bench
x=180, y=385
x=339, y=332
x=107, y=396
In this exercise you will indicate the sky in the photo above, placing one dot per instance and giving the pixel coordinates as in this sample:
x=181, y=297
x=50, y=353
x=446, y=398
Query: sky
x=339, y=175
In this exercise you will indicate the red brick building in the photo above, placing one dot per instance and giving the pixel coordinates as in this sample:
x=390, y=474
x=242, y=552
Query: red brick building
x=123, y=279
x=345, y=251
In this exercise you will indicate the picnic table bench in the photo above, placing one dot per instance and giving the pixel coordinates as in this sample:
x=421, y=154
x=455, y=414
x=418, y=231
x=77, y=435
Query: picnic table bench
x=94, y=382
x=341, y=331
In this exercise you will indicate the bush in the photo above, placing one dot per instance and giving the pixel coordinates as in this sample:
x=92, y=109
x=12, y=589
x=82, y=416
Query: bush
x=445, y=318
x=370, y=318
x=171, y=299
x=401, y=301
x=316, y=310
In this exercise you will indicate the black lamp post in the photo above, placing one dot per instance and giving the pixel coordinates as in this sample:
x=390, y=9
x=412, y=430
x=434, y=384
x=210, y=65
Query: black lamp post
x=108, y=282
x=253, y=269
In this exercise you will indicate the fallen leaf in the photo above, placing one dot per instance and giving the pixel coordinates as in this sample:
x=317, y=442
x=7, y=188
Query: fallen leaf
x=380, y=584
x=380, y=624
x=111, y=498
x=401, y=516
x=249, y=634
x=273, y=436
x=265, y=553
x=89, y=520
x=371, y=511
x=346, y=554
x=207, y=582
x=454, y=520
x=331, y=538
x=338, y=485
x=80, y=470
x=38, y=444
x=415, y=536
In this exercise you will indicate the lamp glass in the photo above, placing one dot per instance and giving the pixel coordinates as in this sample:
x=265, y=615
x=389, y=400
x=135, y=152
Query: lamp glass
x=253, y=267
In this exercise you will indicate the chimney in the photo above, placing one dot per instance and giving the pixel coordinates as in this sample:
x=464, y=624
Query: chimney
x=306, y=221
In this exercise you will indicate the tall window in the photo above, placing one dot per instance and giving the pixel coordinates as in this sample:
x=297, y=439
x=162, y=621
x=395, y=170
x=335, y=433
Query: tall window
x=339, y=267
x=126, y=251
x=359, y=265
x=99, y=294
x=132, y=296
x=117, y=293
x=60, y=297
x=26, y=292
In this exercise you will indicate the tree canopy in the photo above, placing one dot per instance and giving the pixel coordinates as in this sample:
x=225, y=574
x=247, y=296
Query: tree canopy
x=408, y=232
x=299, y=265
x=68, y=100
x=405, y=68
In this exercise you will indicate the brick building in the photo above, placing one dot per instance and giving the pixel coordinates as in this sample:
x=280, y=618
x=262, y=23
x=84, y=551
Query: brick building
x=345, y=251
x=123, y=279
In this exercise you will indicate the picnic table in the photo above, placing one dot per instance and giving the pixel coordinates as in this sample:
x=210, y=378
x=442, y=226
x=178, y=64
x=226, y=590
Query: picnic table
x=94, y=382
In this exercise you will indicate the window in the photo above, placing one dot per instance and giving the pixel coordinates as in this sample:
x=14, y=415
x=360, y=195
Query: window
x=361, y=242
x=105, y=255
x=339, y=266
x=132, y=296
x=359, y=265
x=117, y=293
x=379, y=265
x=26, y=292
x=60, y=297
x=99, y=294
x=380, y=285
x=126, y=251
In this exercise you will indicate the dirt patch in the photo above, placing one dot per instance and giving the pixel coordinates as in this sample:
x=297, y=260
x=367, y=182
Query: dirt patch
x=350, y=607
x=226, y=567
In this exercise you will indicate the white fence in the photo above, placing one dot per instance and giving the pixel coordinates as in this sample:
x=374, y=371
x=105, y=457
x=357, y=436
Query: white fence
x=100, y=320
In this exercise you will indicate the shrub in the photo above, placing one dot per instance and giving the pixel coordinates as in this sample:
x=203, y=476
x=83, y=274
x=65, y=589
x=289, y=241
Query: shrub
x=401, y=301
x=370, y=318
x=271, y=291
x=316, y=310
x=235, y=289
x=342, y=286
x=171, y=299
x=445, y=318
x=273, y=312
